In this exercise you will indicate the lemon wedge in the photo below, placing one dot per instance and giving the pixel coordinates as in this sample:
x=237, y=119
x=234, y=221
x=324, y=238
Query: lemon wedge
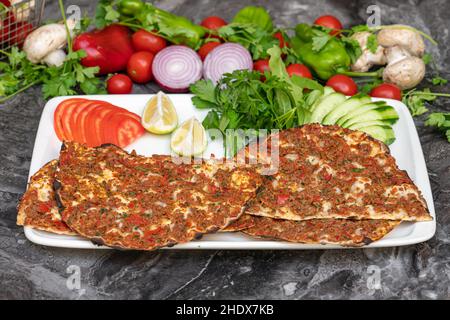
x=160, y=116
x=189, y=139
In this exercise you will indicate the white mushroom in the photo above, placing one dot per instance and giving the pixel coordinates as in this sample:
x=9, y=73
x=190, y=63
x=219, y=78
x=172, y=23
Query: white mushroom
x=405, y=38
x=403, y=70
x=368, y=59
x=55, y=58
x=403, y=50
x=46, y=39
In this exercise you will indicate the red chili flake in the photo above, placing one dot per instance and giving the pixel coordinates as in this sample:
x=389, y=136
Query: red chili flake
x=43, y=208
x=282, y=198
x=137, y=220
x=327, y=176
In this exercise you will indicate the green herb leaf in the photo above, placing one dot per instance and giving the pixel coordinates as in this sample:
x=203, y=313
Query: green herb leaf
x=415, y=101
x=372, y=43
x=439, y=81
x=257, y=16
x=319, y=40
x=441, y=121
x=427, y=58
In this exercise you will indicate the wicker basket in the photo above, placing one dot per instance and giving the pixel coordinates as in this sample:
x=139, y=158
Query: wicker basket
x=18, y=20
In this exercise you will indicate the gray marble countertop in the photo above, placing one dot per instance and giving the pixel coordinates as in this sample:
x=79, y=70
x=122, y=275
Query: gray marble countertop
x=413, y=272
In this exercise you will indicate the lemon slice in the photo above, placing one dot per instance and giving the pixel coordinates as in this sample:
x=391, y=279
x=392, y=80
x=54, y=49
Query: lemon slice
x=189, y=139
x=160, y=116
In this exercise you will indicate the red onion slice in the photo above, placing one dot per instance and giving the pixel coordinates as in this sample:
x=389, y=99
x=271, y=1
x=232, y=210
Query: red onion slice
x=226, y=58
x=177, y=67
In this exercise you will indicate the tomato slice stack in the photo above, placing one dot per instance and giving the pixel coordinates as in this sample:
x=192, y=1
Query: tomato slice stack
x=95, y=122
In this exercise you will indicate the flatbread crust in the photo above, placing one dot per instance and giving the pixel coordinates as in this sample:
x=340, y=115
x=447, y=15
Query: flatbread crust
x=330, y=172
x=127, y=201
x=343, y=232
x=244, y=222
x=38, y=208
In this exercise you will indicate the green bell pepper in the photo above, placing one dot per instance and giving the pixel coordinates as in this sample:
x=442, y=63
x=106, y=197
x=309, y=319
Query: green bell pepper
x=329, y=60
x=130, y=7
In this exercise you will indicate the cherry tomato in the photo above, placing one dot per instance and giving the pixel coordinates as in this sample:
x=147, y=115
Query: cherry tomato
x=388, y=91
x=343, y=84
x=213, y=22
x=140, y=67
x=330, y=22
x=207, y=48
x=145, y=41
x=299, y=70
x=119, y=84
x=261, y=65
x=280, y=38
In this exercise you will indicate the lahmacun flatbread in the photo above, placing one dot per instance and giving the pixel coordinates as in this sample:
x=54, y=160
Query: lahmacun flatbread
x=127, y=201
x=343, y=232
x=330, y=172
x=38, y=208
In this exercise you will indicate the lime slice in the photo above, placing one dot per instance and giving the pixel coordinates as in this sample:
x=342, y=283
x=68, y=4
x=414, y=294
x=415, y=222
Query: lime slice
x=160, y=116
x=189, y=139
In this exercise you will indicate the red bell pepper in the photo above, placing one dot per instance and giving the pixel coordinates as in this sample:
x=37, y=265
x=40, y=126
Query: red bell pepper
x=109, y=48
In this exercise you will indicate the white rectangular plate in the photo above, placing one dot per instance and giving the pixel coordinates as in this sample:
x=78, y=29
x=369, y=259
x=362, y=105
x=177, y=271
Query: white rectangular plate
x=406, y=150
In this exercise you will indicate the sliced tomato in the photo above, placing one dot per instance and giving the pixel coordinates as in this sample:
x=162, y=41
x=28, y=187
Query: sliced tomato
x=66, y=115
x=129, y=130
x=95, y=124
x=81, y=132
x=74, y=117
x=108, y=127
x=121, y=129
x=93, y=120
x=57, y=116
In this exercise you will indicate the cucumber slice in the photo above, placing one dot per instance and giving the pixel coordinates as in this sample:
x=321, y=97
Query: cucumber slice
x=326, y=104
x=360, y=110
x=326, y=92
x=382, y=123
x=384, y=113
x=385, y=134
x=346, y=107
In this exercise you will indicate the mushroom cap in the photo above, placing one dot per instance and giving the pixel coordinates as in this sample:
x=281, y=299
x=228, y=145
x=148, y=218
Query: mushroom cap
x=367, y=58
x=45, y=39
x=405, y=38
x=406, y=73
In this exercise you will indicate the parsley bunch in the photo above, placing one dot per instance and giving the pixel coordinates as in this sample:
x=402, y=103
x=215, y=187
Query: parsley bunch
x=17, y=74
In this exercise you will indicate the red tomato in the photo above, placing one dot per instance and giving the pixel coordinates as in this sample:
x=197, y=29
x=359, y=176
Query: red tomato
x=82, y=134
x=299, y=70
x=57, y=117
x=343, y=84
x=207, y=48
x=122, y=129
x=388, y=91
x=128, y=131
x=119, y=84
x=261, y=65
x=330, y=22
x=213, y=22
x=140, y=67
x=280, y=38
x=145, y=41
x=80, y=106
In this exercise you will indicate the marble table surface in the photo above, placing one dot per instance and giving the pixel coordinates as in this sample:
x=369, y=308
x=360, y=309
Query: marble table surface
x=422, y=271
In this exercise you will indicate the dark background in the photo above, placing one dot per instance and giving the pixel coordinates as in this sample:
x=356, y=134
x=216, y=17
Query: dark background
x=421, y=271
